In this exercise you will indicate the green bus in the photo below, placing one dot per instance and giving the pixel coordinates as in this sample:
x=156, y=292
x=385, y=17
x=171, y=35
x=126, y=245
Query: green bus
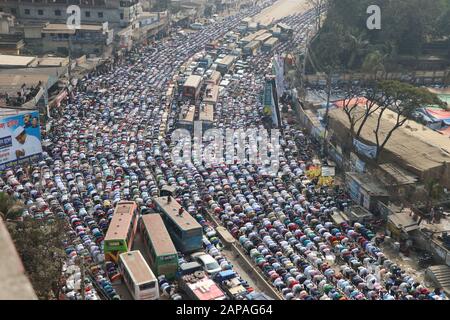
x=159, y=246
x=121, y=231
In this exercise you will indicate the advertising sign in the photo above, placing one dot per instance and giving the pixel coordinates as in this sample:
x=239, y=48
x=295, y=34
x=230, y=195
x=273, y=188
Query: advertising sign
x=20, y=139
x=328, y=171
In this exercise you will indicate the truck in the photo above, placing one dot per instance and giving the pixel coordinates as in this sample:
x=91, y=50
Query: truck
x=232, y=284
x=196, y=283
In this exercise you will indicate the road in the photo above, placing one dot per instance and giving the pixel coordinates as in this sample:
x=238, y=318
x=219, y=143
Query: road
x=281, y=9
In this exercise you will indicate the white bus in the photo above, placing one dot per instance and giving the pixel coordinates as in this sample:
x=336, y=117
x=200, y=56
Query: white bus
x=139, y=278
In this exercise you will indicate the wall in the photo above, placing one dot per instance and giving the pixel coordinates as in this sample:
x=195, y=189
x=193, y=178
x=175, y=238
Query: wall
x=440, y=254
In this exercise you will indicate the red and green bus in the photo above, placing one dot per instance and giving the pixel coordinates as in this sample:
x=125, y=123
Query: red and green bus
x=122, y=230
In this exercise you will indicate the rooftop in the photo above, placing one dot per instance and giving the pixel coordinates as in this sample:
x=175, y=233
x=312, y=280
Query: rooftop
x=160, y=238
x=63, y=28
x=207, y=114
x=211, y=93
x=367, y=182
x=419, y=147
x=11, y=83
x=271, y=41
x=186, y=221
x=9, y=61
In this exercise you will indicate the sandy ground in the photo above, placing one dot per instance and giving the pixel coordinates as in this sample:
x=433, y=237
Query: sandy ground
x=281, y=9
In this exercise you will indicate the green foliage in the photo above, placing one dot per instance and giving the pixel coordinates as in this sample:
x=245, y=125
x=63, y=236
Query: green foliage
x=10, y=209
x=40, y=246
x=403, y=99
x=406, y=25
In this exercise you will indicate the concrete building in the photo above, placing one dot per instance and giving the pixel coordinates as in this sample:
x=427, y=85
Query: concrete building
x=117, y=12
x=14, y=284
x=88, y=39
x=413, y=147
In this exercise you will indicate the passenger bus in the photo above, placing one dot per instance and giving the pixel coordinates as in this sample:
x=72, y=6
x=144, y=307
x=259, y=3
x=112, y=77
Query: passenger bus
x=122, y=230
x=192, y=87
x=185, y=231
x=160, y=248
x=137, y=275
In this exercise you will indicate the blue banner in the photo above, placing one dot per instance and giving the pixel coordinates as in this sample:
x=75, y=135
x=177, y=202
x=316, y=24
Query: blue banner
x=368, y=151
x=20, y=139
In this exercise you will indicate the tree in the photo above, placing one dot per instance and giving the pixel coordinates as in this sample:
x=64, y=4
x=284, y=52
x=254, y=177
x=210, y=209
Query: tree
x=406, y=26
x=374, y=62
x=318, y=5
x=208, y=11
x=403, y=99
x=41, y=248
x=10, y=209
x=435, y=192
x=358, y=47
x=359, y=104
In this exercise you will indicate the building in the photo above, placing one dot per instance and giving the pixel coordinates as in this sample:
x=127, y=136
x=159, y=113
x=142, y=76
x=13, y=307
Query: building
x=14, y=284
x=36, y=79
x=88, y=39
x=152, y=25
x=117, y=13
x=13, y=61
x=11, y=44
x=413, y=147
x=365, y=190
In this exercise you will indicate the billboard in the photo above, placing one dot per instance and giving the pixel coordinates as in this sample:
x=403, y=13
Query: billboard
x=270, y=102
x=278, y=72
x=20, y=139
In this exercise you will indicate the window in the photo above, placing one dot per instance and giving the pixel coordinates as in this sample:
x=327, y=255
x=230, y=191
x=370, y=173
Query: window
x=100, y=14
x=57, y=12
x=146, y=286
x=40, y=12
x=27, y=11
x=87, y=14
x=13, y=11
x=121, y=16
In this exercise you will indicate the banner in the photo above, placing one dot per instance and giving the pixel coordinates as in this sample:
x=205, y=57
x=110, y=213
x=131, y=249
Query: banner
x=328, y=171
x=20, y=139
x=278, y=71
x=269, y=104
x=368, y=151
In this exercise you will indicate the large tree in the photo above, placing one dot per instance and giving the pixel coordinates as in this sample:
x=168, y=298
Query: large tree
x=41, y=248
x=10, y=209
x=401, y=98
x=406, y=25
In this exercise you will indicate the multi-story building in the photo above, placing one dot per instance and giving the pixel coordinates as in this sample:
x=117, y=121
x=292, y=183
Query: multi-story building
x=118, y=13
